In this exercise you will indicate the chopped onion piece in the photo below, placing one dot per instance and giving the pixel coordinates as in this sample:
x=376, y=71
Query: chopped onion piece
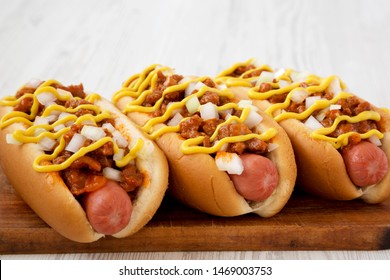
x=175, y=120
x=226, y=112
x=223, y=148
x=93, y=133
x=335, y=107
x=112, y=174
x=311, y=100
x=76, y=143
x=312, y=123
x=64, y=115
x=272, y=147
x=193, y=86
x=40, y=120
x=64, y=93
x=229, y=162
x=253, y=119
x=47, y=144
x=119, y=139
x=209, y=111
x=109, y=127
x=265, y=77
x=119, y=155
x=10, y=139
x=299, y=95
x=192, y=104
x=279, y=73
x=46, y=98
x=375, y=140
x=322, y=114
x=247, y=104
x=38, y=131
x=284, y=83
x=334, y=86
x=58, y=127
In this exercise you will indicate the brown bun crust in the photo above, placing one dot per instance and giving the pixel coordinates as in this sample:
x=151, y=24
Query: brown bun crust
x=321, y=168
x=51, y=199
x=196, y=181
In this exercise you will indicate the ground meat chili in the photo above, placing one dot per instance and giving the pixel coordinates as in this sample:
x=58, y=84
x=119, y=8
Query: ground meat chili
x=350, y=106
x=85, y=173
x=195, y=126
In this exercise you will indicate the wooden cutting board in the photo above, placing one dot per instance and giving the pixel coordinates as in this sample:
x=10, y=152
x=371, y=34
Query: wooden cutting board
x=306, y=223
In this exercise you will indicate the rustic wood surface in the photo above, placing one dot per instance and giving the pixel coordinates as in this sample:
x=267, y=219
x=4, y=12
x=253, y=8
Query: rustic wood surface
x=306, y=223
x=101, y=43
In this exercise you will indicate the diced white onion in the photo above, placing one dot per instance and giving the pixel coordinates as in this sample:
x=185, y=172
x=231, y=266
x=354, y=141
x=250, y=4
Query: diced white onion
x=109, y=127
x=76, y=143
x=279, y=73
x=58, y=127
x=193, y=86
x=209, y=111
x=272, y=147
x=10, y=139
x=112, y=174
x=38, y=131
x=192, y=104
x=226, y=112
x=223, y=148
x=119, y=139
x=375, y=140
x=299, y=95
x=311, y=100
x=40, y=120
x=64, y=93
x=93, y=133
x=47, y=144
x=119, y=155
x=335, y=107
x=284, y=83
x=229, y=162
x=46, y=98
x=334, y=86
x=322, y=114
x=265, y=77
x=175, y=120
x=312, y=123
x=64, y=115
x=247, y=104
x=253, y=119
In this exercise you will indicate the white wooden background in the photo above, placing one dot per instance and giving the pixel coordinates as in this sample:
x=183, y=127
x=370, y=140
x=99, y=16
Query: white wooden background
x=100, y=43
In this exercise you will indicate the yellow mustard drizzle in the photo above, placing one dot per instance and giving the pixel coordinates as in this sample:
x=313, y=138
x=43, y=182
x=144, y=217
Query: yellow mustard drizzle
x=137, y=88
x=320, y=84
x=35, y=133
x=226, y=78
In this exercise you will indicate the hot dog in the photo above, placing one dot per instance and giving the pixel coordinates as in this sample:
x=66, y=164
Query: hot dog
x=341, y=142
x=78, y=162
x=225, y=158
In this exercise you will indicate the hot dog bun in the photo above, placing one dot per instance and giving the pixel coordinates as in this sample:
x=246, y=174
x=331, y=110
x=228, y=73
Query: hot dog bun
x=321, y=167
x=196, y=180
x=48, y=195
